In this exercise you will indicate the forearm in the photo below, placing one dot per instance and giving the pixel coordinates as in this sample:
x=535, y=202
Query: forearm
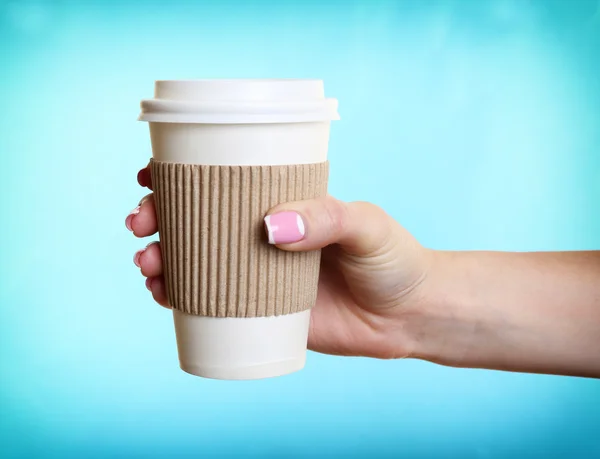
x=530, y=312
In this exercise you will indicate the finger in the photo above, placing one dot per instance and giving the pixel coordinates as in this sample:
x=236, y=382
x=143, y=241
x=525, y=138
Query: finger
x=359, y=228
x=157, y=286
x=149, y=260
x=142, y=220
x=144, y=177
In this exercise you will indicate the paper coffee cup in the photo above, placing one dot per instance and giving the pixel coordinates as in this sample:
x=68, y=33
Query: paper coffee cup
x=224, y=152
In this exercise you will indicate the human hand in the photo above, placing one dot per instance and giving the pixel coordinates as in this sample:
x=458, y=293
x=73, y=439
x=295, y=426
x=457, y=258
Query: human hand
x=371, y=275
x=381, y=294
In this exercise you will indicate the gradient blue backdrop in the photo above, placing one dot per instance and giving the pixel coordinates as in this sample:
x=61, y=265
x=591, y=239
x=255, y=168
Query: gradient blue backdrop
x=474, y=123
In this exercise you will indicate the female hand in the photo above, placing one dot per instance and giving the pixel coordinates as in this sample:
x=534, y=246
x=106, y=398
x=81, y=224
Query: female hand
x=371, y=274
x=381, y=294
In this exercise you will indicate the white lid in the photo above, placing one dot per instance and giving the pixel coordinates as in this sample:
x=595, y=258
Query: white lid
x=238, y=101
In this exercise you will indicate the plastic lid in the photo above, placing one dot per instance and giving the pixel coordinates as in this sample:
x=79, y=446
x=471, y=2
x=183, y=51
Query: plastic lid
x=238, y=101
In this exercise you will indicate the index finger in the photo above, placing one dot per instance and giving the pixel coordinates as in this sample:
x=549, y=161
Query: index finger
x=144, y=177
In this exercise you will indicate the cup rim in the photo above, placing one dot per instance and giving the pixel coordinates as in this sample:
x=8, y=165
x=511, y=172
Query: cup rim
x=234, y=101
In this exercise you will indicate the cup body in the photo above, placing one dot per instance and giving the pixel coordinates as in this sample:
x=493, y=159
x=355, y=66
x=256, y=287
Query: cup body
x=239, y=347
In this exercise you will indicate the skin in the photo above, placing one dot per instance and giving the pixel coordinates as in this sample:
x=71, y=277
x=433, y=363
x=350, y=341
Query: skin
x=383, y=295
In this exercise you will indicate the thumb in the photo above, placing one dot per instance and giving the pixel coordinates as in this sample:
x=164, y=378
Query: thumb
x=359, y=227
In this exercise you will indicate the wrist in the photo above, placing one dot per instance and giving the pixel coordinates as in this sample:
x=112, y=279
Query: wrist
x=440, y=320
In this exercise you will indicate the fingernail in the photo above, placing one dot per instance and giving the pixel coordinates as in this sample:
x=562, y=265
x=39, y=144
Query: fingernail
x=284, y=228
x=136, y=257
x=149, y=283
x=129, y=218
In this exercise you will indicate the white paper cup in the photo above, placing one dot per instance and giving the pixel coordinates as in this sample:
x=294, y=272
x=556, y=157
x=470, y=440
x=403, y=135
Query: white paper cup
x=250, y=123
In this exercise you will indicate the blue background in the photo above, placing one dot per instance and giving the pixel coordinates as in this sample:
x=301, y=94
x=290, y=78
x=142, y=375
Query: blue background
x=474, y=123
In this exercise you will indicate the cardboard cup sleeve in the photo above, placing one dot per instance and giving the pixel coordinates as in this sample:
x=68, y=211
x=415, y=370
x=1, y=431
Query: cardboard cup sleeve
x=217, y=260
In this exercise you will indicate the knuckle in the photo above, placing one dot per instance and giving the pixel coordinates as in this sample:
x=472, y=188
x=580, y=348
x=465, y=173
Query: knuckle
x=367, y=207
x=378, y=227
x=337, y=215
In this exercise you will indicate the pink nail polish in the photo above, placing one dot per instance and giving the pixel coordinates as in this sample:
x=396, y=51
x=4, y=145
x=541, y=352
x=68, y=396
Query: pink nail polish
x=284, y=228
x=136, y=257
x=129, y=219
x=149, y=283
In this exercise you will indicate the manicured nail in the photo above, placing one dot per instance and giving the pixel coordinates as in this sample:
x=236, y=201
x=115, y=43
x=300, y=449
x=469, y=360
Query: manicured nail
x=136, y=257
x=129, y=218
x=284, y=228
x=149, y=283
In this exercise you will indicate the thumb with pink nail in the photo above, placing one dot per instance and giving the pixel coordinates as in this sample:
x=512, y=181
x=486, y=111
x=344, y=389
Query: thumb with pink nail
x=372, y=271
